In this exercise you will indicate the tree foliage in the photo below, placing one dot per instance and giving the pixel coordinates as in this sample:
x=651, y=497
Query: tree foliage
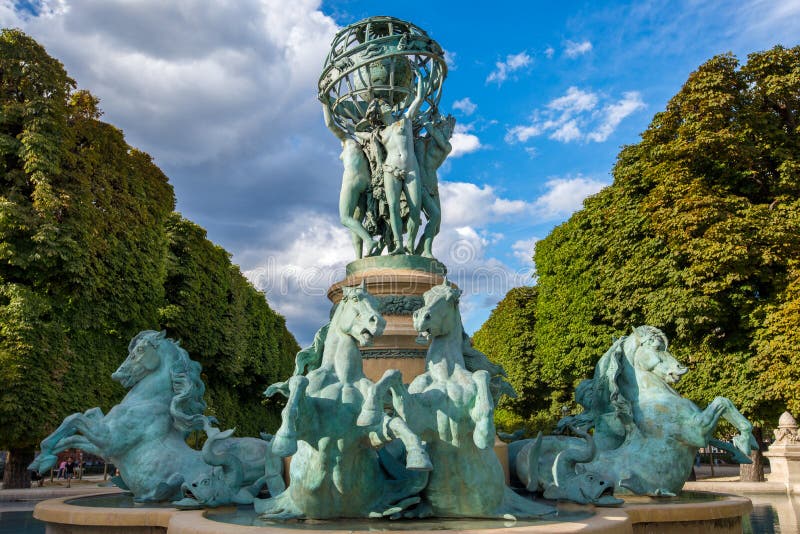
x=91, y=253
x=227, y=326
x=507, y=339
x=699, y=235
x=81, y=244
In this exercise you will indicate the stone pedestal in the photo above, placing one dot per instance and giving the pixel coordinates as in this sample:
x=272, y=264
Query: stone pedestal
x=784, y=463
x=398, y=282
x=784, y=453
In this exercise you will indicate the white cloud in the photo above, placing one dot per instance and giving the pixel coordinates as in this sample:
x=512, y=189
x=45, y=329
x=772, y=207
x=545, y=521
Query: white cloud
x=565, y=196
x=549, y=51
x=181, y=79
x=523, y=250
x=769, y=15
x=450, y=59
x=522, y=133
x=484, y=280
x=574, y=49
x=575, y=117
x=512, y=63
x=465, y=106
x=566, y=132
x=614, y=113
x=467, y=204
x=296, y=275
x=464, y=142
x=574, y=101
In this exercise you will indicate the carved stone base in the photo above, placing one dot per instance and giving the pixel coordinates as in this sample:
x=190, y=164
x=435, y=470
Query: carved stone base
x=398, y=282
x=784, y=463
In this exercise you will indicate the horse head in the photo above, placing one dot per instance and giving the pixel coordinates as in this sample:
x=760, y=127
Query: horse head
x=144, y=358
x=646, y=349
x=357, y=315
x=149, y=353
x=439, y=315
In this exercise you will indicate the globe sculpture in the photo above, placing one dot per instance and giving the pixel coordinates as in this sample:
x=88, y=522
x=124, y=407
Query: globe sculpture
x=380, y=89
x=380, y=57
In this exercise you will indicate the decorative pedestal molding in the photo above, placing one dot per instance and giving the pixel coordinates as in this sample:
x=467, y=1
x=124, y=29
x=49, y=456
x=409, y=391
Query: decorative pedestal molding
x=784, y=453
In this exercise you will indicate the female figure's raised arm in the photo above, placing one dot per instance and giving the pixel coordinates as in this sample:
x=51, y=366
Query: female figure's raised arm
x=331, y=124
x=417, y=102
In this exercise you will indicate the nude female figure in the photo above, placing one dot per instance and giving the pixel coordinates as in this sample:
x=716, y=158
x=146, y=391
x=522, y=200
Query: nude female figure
x=399, y=164
x=431, y=151
x=355, y=182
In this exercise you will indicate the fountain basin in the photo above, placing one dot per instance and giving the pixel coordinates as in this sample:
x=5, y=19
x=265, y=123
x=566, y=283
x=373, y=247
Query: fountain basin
x=692, y=512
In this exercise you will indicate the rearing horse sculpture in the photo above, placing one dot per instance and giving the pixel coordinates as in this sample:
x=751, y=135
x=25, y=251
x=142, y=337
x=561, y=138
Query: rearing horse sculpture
x=145, y=434
x=646, y=434
x=452, y=409
x=335, y=470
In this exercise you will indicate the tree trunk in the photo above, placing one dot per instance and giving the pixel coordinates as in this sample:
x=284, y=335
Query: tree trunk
x=754, y=472
x=16, y=474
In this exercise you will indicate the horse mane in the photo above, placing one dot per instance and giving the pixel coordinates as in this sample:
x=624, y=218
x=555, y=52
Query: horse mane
x=601, y=395
x=645, y=332
x=310, y=358
x=605, y=387
x=451, y=294
x=187, y=404
x=584, y=393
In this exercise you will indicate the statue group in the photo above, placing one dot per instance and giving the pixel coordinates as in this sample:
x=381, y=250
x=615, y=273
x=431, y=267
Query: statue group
x=380, y=90
x=386, y=449
x=391, y=448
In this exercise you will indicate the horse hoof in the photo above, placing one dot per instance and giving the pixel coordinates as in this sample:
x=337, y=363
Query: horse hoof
x=284, y=445
x=369, y=418
x=418, y=461
x=43, y=463
x=482, y=437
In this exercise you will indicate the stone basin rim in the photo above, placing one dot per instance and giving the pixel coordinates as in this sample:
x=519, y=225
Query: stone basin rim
x=174, y=521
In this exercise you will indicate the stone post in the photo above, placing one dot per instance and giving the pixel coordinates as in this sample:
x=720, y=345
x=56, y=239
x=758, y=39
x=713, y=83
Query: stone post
x=784, y=453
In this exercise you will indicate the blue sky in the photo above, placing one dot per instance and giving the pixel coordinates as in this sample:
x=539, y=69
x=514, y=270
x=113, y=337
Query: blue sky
x=222, y=95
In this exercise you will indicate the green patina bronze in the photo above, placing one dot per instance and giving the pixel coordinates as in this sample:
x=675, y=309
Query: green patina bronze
x=336, y=469
x=645, y=434
x=145, y=434
x=451, y=407
x=395, y=353
x=380, y=88
x=399, y=304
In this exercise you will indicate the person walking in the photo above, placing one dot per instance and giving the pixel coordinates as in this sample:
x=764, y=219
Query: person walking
x=70, y=471
x=62, y=469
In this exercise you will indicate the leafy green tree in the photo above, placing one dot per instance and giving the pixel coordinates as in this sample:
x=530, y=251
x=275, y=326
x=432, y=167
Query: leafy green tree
x=699, y=235
x=82, y=248
x=227, y=326
x=91, y=253
x=507, y=338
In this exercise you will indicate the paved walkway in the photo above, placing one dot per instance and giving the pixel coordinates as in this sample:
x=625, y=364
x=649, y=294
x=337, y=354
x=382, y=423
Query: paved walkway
x=58, y=488
x=726, y=480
